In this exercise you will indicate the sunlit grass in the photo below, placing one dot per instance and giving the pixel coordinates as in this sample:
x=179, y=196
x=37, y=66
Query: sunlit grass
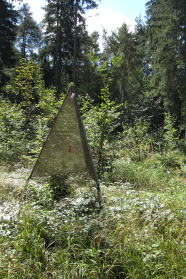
x=138, y=234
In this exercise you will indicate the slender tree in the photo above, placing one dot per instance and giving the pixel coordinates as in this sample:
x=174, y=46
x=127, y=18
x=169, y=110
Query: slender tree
x=62, y=21
x=28, y=33
x=59, y=37
x=125, y=67
x=181, y=15
x=166, y=46
x=8, y=20
x=88, y=74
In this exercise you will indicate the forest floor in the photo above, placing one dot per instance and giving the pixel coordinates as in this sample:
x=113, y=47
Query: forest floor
x=139, y=233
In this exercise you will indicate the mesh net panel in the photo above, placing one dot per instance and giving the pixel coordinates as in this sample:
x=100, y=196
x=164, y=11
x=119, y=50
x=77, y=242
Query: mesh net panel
x=66, y=149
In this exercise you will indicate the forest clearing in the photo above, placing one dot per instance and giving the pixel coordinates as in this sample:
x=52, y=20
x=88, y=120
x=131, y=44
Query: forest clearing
x=131, y=99
x=139, y=233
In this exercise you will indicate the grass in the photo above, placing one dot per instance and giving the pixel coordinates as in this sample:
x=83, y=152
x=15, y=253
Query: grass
x=138, y=234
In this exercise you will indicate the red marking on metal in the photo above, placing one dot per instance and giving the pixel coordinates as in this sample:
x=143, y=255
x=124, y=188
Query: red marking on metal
x=69, y=148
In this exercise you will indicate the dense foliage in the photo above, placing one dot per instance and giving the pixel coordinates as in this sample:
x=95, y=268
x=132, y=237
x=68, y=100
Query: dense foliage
x=144, y=70
x=137, y=79
x=132, y=98
x=8, y=19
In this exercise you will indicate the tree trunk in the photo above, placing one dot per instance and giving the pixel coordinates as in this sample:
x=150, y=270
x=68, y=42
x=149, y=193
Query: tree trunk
x=75, y=44
x=123, y=89
x=184, y=54
x=58, y=55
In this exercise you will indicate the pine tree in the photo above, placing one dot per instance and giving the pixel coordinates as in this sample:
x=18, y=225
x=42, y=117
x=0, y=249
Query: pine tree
x=8, y=19
x=28, y=33
x=62, y=36
x=166, y=30
x=125, y=67
x=88, y=76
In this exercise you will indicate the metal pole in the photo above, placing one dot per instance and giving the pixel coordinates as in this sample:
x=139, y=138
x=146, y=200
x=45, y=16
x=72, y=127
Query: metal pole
x=100, y=197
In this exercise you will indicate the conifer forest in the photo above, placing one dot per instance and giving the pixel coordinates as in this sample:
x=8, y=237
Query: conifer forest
x=131, y=94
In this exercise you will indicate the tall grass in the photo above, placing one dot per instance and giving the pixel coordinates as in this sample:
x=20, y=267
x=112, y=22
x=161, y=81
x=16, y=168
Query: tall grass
x=138, y=234
x=150, y=176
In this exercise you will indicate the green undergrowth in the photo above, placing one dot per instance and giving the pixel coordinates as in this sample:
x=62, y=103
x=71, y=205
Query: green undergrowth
x=149, y=176
x=139, y=233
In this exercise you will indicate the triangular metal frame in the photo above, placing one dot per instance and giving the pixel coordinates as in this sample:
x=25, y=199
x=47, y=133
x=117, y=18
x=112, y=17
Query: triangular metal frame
x=86, y=149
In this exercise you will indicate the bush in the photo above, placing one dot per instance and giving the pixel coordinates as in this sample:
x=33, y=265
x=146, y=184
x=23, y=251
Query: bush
x=27, y=113
x=12, y=136
x=60, y=187
x=100, y=122
x=136, y=142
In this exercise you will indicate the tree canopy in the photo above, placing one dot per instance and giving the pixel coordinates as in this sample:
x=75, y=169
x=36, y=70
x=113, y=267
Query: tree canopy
x=144, y=70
